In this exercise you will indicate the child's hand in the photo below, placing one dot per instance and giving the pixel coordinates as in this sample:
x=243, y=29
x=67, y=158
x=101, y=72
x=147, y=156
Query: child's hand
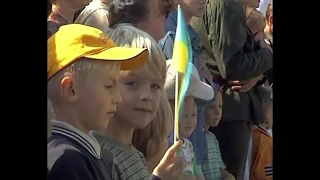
x=170, y=166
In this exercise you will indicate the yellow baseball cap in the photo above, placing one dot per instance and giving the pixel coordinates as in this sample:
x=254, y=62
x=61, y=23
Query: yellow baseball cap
x=75, y=41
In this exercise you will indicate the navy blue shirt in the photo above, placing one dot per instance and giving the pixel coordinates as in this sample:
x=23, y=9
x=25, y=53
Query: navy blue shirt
x=73, y=155
x=198, y=137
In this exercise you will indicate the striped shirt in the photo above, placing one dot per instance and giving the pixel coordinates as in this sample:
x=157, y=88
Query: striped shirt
x=212, y=168
x=129, y=163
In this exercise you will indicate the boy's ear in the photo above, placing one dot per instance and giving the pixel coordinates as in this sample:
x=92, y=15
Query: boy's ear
x=67, y=89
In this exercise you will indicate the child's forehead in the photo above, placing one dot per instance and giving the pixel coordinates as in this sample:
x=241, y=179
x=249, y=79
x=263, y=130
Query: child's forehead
x=189, y=102
x=141, y=73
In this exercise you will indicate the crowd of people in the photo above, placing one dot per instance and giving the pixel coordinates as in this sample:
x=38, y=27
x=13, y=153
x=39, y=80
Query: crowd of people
x=111, y=90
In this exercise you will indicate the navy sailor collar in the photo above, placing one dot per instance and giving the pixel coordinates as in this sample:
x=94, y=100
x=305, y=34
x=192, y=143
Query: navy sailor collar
x=86, y=141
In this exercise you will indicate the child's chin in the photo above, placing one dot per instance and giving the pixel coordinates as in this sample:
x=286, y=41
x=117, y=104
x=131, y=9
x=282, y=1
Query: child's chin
x=187, y=134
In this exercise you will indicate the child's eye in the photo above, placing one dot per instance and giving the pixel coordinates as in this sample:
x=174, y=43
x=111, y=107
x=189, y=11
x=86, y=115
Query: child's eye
x=193, y=115
x=131, y=84
x=109, y=87
x=154, y=86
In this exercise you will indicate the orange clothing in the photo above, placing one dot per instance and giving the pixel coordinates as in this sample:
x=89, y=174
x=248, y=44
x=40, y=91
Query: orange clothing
x=262, y=155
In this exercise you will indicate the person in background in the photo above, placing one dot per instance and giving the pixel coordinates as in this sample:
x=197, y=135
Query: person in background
x=62, y=13
x=147, y=15
x=187, y=122
x=256, y=23
x=269, y=26
x=95, y=14
x=269, y=36
x=214, y=168
x=241, y=60
x=83, y=72
x=52, y=27
x=152, y=140
x=49, y=8
x=190, y=8
x=262, y=143
x=141, y=91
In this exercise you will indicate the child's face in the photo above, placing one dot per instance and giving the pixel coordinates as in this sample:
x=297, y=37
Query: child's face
x=193, y=7
x=188, y=119
x=140, y=97
x=269, y=114
x=97, y=98
x=214, y=112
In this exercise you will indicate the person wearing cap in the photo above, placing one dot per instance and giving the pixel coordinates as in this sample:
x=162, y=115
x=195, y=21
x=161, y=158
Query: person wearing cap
x=83, y=74
x=188, y=121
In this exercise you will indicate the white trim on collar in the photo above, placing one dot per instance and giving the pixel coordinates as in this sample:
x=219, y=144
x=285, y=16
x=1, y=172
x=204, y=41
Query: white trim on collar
x=87, y=141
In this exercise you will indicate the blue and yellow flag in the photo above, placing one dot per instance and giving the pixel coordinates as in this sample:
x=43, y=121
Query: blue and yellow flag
x=181, y=57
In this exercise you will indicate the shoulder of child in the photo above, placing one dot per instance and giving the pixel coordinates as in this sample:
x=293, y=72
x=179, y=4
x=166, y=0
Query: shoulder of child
x=72, y=165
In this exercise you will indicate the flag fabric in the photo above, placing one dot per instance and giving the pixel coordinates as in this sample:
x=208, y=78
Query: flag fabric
x=181, y=57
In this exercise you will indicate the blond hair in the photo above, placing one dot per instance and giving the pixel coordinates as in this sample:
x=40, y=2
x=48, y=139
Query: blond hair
x=79, y=70
x=126, y=35
x=156, y=131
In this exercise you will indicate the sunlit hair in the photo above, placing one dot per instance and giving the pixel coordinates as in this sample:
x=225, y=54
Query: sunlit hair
x=265, y=93
x=156, y=131
x=126, y=35
x=80, y=70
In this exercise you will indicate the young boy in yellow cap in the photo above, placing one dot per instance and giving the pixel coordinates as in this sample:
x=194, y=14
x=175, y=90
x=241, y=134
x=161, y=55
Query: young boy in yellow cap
x=83, y=74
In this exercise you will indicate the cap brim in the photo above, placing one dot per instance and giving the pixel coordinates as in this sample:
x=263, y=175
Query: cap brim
x=133, y=58
x=203, y=91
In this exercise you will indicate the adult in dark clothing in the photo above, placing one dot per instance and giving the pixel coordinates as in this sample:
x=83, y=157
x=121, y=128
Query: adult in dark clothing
x=238, y=62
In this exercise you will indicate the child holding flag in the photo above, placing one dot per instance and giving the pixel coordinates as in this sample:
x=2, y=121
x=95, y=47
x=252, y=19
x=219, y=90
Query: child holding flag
x=190, y=8
x=141, y=91
x=188, y=115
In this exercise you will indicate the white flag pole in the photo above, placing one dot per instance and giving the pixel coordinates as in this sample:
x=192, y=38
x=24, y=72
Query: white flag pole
x=176, y=113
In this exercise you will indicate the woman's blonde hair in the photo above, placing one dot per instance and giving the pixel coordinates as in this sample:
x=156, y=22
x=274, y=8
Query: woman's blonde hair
x=126, y=35
x=156, y=131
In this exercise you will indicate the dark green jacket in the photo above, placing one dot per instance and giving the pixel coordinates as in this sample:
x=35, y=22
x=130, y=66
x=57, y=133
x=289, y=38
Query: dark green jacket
x=233, y=52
